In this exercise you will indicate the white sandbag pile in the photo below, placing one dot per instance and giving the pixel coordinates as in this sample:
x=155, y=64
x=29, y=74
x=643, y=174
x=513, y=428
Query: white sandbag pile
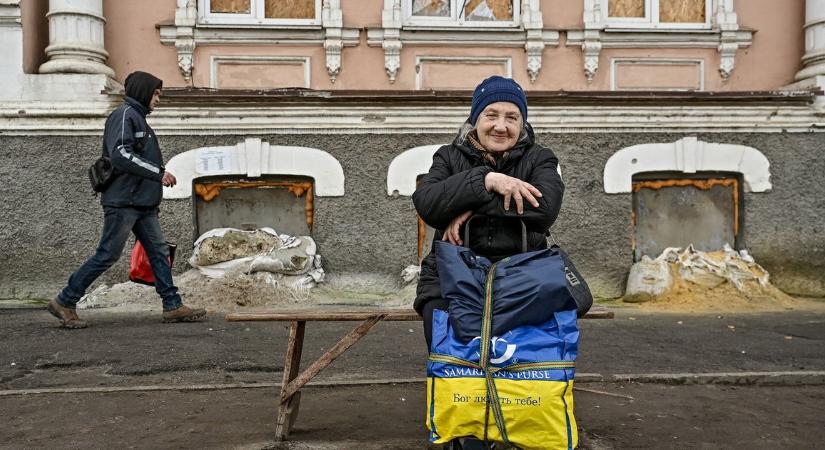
x=288, y=261
x=677, y=271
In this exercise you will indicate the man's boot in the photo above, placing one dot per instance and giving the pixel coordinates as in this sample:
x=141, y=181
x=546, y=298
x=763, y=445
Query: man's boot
x=67, y=316
x=183, y=314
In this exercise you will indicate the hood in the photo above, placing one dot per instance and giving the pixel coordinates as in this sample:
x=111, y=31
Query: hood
x=141, y=86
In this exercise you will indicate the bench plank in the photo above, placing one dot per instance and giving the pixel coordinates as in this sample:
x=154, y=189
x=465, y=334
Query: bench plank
x=357, y=314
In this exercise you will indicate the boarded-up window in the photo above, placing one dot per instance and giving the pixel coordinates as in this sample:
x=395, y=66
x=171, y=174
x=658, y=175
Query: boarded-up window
x=682, y=11
x=230, y=6
x=285, y=203
x=290, y=9
x=677, y=212
x=431, y=8
x=626, y=8
x=488, y=10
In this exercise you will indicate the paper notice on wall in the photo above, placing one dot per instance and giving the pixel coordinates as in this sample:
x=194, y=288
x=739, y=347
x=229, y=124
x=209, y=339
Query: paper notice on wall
x=215, y=161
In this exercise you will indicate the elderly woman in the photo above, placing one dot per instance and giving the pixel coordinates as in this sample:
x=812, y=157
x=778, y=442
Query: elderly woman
x=494, y=168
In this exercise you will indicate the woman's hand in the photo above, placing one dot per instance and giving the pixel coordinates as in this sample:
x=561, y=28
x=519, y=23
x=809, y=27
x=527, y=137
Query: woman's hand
x=512, y=189
x=452, y=233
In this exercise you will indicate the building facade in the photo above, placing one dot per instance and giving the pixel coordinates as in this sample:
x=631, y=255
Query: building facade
x=676, y=122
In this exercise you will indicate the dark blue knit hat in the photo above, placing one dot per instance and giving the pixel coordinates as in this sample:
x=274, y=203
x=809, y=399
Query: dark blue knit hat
x=497, y=89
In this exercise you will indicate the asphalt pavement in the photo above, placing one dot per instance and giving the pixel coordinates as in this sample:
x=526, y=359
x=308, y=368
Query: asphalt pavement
x=646, y=379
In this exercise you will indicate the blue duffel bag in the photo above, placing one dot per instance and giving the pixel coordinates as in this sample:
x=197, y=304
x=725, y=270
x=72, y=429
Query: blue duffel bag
x=528, y=288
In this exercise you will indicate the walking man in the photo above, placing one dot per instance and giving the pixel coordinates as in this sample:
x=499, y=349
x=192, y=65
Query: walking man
x=130, y=205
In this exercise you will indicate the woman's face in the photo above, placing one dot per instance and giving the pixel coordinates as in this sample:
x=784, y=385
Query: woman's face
x=499, y=126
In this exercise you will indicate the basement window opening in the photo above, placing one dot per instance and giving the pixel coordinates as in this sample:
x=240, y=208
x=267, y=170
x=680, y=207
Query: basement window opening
x=283, y=203
x=678, y=209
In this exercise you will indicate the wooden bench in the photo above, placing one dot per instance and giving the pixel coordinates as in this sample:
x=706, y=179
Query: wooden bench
x=293, y=381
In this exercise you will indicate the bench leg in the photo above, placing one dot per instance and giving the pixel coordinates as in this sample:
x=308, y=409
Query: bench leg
x=288, y=408
x=290, y=388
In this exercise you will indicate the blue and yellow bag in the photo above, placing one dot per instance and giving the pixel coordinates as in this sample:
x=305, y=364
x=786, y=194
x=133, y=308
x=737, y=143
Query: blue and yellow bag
x=516, y=388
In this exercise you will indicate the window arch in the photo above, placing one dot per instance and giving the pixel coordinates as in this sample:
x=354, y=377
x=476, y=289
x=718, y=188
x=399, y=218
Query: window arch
x=254, y=158
x=688, y=155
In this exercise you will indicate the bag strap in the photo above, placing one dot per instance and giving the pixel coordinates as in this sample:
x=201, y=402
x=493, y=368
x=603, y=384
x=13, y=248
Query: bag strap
x=492, y=399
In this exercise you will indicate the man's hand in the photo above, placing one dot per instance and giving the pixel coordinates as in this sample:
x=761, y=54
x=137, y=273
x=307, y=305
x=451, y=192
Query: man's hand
x=512, y=189
x=169, y=180
x=453, y=234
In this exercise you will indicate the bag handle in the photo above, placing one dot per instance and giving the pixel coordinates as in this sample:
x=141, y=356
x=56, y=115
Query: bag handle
x=474, y=216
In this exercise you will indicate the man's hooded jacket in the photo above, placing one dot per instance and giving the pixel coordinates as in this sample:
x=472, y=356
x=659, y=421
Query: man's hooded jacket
x=133, y=148
x=455, y=185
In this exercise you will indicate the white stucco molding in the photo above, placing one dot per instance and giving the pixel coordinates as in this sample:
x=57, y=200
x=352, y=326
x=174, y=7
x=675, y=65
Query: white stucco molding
x=254, y=158
x=186, y=17
x=812, y=74
x=529, y=35
x=21, y=117
x=76, y=38
x=722, y=33
x=186, y=33
x=688, y=155
x=406, y=167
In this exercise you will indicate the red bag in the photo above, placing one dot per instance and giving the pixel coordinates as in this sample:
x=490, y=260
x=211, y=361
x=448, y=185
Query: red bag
x=140, y=270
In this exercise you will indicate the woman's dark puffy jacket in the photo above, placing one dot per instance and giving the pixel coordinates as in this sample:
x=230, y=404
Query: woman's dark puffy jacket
x=455, y=184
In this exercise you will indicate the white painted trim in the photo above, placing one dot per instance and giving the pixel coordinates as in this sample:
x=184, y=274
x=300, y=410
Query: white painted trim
x=406, y=167
x=721, y=31
x=255, y=17
x=652, y=20
x=471, y=38
x=507, y=61
x=688, y=155
x=615, y=62
x=527, y=31
x=216, y=60
x=456, y=19
x=254, y=158
x=87, y=117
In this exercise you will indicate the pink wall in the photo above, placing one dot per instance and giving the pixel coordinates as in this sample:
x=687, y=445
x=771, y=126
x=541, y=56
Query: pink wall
x=365, y=13
x=133, y=42
x=778, y=45
x=562, y=14
x=35, y=33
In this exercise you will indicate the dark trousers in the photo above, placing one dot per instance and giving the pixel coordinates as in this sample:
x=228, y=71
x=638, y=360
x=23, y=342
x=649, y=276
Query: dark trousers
x=118, y=223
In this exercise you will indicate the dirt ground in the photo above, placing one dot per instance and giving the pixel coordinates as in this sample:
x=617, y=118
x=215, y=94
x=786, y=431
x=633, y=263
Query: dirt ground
x=132, y=349
x=392, y=417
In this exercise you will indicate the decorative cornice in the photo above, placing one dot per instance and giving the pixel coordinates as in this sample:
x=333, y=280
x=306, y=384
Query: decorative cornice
x=186, y=34
x=10, y=14
x=724, y=34
x=354, y=118
x=634, y=38
x=223, y=35
x=530, y=36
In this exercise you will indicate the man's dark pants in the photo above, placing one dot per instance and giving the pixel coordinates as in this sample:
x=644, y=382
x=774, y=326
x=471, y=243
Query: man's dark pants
x=117, y=224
